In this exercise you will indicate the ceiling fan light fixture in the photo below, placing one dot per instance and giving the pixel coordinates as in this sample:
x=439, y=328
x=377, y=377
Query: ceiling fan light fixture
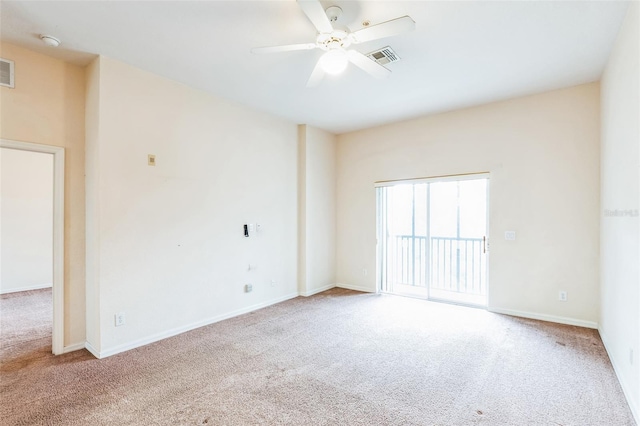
x=334, y=61
x=335, y=41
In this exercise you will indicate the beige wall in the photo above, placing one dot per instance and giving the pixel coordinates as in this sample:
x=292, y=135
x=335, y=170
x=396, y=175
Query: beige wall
x=542, y=153
x=26, y=215
x=620, y=192
x=166, y=244
x=317, y=210
x=47, y=107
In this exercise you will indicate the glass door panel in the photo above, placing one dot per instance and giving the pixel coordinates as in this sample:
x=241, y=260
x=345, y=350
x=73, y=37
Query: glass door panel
x=432, y=240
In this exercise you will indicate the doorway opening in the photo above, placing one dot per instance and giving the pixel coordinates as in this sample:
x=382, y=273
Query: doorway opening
x=57, y=237
x=432, y=238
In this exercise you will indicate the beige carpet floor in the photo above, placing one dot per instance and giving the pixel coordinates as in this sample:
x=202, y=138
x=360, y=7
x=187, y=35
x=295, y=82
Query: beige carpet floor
x=337, y=358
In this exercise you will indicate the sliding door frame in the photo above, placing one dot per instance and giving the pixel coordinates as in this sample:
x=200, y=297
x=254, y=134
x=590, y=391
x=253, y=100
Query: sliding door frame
x=381, y=225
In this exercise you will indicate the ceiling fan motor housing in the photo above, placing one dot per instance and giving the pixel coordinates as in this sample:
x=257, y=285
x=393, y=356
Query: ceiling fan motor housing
x=336, y=40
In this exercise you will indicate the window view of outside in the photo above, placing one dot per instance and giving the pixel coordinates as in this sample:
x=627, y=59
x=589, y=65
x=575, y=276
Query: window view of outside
x=433, y=239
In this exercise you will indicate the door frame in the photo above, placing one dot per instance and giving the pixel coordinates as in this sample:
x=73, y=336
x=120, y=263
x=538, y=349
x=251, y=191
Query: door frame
x=57, y=334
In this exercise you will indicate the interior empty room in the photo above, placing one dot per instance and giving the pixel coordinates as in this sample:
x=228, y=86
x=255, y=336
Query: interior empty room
x=320, y=212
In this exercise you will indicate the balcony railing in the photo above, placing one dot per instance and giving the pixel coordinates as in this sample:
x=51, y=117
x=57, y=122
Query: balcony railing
x=455, y=264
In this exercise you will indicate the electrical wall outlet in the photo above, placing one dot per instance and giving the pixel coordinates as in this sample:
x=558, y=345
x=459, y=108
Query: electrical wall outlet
x=562, y=296
x=273, y=283
x=248, y=288
x=120, y=319
x=510, y=235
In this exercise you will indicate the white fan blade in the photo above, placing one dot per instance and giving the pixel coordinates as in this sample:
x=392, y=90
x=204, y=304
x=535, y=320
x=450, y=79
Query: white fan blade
x=316, y=76
x=366, y=64
x=316, y=14
x=286, y=48
x=385, y=29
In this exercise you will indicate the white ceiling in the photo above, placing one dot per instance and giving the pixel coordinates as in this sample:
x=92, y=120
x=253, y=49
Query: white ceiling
x=461, y=54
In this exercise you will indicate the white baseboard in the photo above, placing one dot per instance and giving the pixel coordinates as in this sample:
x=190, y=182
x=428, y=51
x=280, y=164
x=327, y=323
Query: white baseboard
x=356, y=288
x=74, y=347
x=33, y=287
x=626, y=387
x=317, y=290
x=179, y=330
x=91, y=349
x=545, y=317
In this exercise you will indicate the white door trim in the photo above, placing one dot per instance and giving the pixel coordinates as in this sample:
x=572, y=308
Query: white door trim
x=58, y=234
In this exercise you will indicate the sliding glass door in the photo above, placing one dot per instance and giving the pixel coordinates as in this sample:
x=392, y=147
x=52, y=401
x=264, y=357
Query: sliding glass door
x=432, y=239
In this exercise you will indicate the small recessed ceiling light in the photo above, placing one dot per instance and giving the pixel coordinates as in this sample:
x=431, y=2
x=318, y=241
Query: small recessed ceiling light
x=50, y=40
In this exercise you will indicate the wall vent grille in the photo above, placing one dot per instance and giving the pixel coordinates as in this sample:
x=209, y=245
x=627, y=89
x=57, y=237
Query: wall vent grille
x=6, y=73
x=384, y=56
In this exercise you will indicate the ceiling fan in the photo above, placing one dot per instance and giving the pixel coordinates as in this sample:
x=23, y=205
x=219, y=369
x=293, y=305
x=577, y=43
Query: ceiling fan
x=335, y=41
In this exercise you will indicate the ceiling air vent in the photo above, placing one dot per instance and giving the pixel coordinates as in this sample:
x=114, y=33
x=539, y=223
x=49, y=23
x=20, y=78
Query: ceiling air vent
x=6, y=73
x=384, y=56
